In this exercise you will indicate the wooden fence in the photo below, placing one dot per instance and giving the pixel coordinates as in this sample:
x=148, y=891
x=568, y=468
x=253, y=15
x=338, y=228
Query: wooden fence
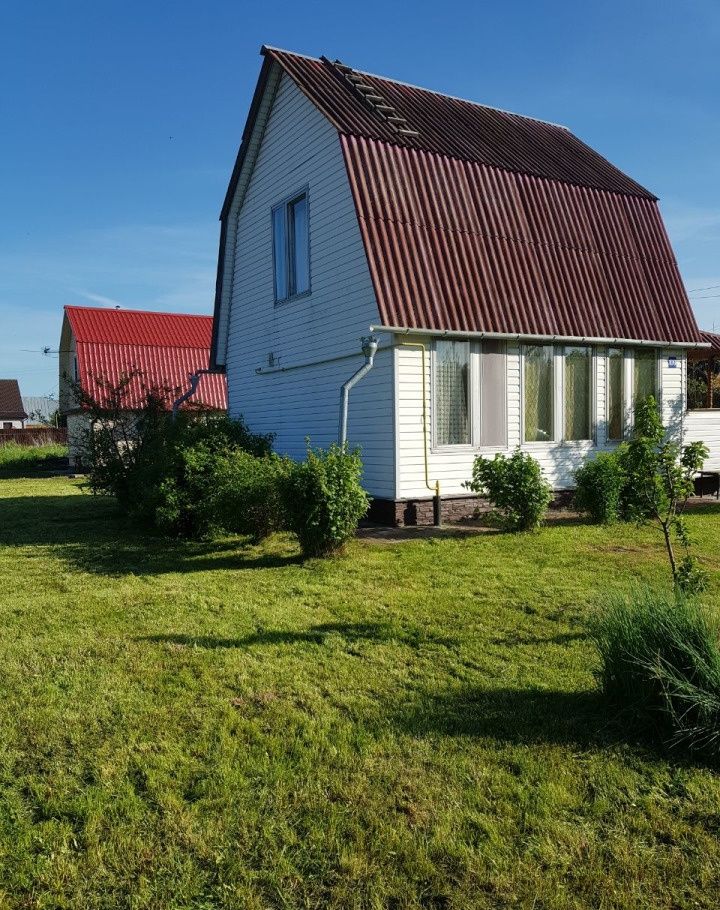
x=34, y=436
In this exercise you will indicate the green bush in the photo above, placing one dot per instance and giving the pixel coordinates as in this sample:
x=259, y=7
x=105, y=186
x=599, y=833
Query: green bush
x=162, y=471
x=515, y=487
x=660, y=663
x=249, y=495
x=226, y=491
x=325, y=499
x=600, y=487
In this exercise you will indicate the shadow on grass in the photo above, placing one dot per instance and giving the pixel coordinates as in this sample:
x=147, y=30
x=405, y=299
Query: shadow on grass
x=536, y=716
x=352, y=632
x=528, y=716
x=92, y=536
x=519, y=638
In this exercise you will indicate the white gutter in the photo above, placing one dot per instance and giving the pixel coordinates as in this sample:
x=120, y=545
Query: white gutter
x=568, y=339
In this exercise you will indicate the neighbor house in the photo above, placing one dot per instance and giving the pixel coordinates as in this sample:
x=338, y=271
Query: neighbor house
x=154, y=351
x=41, y=410
x=702, y=421
x=12, y=412
x=522, y=289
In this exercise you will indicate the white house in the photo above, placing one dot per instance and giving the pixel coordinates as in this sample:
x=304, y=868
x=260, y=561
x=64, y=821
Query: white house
x=522, y=289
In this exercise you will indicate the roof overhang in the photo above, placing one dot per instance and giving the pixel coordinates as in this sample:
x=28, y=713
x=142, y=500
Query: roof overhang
x=548, y=339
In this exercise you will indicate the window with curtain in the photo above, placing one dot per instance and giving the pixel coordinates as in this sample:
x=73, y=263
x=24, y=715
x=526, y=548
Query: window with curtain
x=615, y=394
x=452, y=393
x=578, y=371
x=291, y=248
x=644, y=373
x=539, y=392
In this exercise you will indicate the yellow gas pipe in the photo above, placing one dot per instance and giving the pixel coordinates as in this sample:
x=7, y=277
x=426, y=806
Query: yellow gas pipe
x=436, y=487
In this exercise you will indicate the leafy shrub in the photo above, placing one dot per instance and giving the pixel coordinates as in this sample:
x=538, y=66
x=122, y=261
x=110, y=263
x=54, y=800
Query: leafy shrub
x=249, y=493
x=660, y=662
x=600, y=487
x=226, y=491
x=325, y=499
x=160, y=470
x=516, y=488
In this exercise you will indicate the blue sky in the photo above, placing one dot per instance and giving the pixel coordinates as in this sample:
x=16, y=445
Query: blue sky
x=120, y=121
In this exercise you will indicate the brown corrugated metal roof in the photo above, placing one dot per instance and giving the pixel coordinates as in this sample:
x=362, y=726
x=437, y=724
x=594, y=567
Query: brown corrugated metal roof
x=11, y=406
x=488, y=221
x=459, y=246
x=454, y=127
x=163, y=349
x=713, y=339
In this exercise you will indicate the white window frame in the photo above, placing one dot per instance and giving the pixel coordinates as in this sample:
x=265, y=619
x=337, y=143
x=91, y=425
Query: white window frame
x=556, y=384
x=631, y=383
x=284, y=205
x=559, y=399
x=592, y=438
x=437, y=446
x=624, y=397
x=475, y=395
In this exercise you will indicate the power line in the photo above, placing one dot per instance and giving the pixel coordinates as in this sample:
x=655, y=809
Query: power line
x=710, y=287
x=707, y=297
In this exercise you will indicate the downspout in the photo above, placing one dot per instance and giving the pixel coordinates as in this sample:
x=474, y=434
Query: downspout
x=369, y=349
x=435, y=488
x=194, y=380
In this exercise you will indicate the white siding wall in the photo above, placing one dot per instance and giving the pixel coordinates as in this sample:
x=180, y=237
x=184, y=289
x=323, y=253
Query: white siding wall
x=301, y=149
x=453, y=466
x=704, y=426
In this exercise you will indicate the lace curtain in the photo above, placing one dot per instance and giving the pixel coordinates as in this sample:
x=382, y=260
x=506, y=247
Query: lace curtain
x=452, y=386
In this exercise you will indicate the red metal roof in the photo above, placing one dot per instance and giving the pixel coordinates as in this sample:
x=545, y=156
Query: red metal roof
x=487, y=221
x=162, y=348
x=11, y=406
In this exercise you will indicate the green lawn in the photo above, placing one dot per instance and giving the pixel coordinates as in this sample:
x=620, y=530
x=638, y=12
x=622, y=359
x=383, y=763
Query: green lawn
x=414, y=725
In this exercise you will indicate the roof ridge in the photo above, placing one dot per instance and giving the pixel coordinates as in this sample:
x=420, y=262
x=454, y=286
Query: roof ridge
x=109, y=309
x=424, y=88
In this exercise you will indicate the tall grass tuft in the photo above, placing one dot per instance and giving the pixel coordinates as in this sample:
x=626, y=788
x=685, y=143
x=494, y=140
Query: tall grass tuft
x=18, y=461
x=660, y=662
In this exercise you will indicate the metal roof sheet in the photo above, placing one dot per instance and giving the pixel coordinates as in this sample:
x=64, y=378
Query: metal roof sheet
x=486, y=221
x=11, y=406
x=460, y=246
x=454, y=127
x=163, y=349
x=713, y=339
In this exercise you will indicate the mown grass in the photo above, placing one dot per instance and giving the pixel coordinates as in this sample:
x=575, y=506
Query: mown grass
x=415, y=725
x=17, y=460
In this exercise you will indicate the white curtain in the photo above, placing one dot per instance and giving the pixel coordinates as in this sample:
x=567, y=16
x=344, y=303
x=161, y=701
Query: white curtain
x=452, y=387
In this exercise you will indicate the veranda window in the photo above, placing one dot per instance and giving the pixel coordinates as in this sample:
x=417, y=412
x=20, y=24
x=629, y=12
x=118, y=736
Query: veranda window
x=539, y=392
x=644, y=374
x=578, y=393
x=615, y=394
x=452, y=393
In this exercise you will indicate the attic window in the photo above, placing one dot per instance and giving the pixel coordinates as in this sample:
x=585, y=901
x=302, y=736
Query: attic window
x=291, y=247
